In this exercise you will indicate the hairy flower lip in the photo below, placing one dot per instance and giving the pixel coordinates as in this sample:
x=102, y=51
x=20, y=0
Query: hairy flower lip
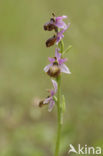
x=49, y=26
x=54, y=71
x=51, y=41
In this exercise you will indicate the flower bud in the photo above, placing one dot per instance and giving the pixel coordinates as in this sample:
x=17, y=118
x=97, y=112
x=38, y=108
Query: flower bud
x=54, y=71
x=51, y=41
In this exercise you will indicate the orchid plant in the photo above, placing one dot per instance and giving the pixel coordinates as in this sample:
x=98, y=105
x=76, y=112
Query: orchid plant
x=55, y=69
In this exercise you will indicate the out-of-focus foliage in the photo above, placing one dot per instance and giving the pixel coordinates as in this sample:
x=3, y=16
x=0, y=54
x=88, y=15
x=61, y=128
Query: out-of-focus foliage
x=29, y=131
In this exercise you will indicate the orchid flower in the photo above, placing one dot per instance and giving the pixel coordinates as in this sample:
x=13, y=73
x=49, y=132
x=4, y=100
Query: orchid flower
x=50, y=100
x=57, y=60
x=59, y=22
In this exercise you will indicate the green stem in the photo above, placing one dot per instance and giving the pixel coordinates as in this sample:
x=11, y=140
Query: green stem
x=59, y=112
x=59, y=117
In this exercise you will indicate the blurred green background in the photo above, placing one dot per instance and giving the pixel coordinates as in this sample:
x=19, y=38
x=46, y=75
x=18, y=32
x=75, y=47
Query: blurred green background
x=29, y=131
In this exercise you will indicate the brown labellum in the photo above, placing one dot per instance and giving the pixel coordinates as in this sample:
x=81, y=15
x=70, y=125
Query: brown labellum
x=51, y=41
x=41, y=103
x=53, y=71
x=49, y=26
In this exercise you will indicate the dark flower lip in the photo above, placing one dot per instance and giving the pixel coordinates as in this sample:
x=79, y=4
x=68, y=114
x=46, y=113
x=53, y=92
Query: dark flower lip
x=54, y=71
x=49, y=27
x=51, y=41
x=41, y=103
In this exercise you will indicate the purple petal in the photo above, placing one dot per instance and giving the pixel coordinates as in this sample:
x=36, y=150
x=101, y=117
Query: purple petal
x=64, y=69
x=47, y=100
x=61, y=61
x=54, y=85
x=61, y=17
x=47, y=67
x=60, y=24
x=64, y=16
x=51, y=60
x=51, y=105
x=52, y=92
x=62, y=31
x=59, y=36
x=58, y=40
x=67, y=26
x=57, y=54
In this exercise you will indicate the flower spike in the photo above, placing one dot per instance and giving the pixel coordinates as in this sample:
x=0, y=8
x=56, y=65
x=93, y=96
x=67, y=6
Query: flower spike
x=54, y=69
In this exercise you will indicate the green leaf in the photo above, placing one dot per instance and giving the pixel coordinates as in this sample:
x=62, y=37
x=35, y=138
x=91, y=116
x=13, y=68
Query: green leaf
x=55, y=98
x=67, y=50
